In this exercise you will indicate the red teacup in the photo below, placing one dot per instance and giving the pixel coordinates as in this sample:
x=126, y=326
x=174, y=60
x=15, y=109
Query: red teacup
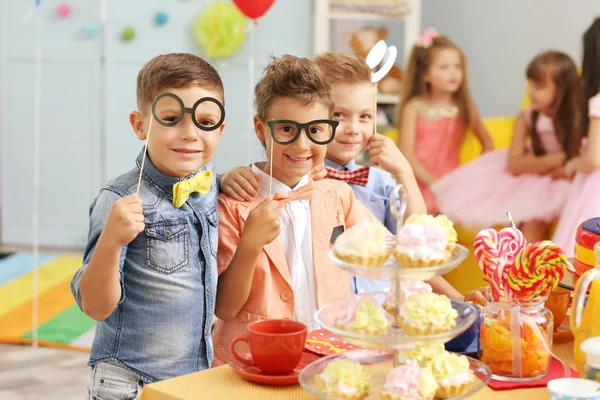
x=276, y=345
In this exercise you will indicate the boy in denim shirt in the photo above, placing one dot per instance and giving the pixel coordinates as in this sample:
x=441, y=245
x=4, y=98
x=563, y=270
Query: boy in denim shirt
x=149, y=275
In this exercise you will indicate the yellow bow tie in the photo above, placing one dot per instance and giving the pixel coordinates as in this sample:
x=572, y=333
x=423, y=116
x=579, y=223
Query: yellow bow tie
x=198, y=183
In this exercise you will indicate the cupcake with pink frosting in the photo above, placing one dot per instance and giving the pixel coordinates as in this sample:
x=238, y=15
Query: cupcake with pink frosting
x=421, y=246
x=409, y=382
x=407, y=289
x=364, y=315
x=441, y=221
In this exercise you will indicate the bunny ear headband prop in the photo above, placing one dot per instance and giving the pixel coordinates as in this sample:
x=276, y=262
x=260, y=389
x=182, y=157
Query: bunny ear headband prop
x=380, y=61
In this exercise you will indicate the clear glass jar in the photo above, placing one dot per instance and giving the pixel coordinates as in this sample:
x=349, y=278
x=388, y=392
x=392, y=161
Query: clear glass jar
x=591, y=365
x=516, y=340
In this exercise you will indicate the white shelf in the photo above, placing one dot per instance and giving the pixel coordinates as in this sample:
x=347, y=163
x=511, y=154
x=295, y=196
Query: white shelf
x=388, y=98
x=324, y=12
x=362, y=16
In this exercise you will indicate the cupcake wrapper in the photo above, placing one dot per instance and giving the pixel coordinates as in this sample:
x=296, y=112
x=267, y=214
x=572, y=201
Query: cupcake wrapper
x=407, y=262
x=413, y=330
x=449, y=391
x=390, y=308
x=366, y=261
x=322, y=386
x=385, y=395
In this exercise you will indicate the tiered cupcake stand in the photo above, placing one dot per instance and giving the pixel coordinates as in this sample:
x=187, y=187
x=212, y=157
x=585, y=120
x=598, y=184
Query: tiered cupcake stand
x=382, y=352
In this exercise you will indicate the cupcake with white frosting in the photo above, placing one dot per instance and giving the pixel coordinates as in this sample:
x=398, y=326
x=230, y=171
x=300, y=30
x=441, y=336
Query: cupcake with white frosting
x=363, y=244
x=453, y=374
x=345, y=379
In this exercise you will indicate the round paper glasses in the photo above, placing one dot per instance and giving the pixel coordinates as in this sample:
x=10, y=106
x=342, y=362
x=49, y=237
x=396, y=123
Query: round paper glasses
x=207, y=113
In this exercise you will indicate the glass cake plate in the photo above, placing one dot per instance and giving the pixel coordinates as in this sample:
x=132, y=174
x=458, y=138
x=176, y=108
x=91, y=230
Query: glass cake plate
x=380, y=363
x=394, y=338
x=391, y=270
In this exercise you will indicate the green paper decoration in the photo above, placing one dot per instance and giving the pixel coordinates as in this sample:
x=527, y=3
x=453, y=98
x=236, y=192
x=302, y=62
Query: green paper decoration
x=220, y=29
x=128, y=34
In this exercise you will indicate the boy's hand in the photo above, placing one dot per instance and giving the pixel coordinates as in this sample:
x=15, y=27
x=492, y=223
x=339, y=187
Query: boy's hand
x=262, y=225
x=319, y=172
x=125, y=220
x=478, y=296
x=241, y=183
x=385, y=154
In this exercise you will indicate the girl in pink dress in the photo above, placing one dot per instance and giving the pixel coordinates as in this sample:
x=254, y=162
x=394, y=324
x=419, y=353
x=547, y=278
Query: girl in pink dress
x=435, y=109
x=584, y=199
x=528, y=179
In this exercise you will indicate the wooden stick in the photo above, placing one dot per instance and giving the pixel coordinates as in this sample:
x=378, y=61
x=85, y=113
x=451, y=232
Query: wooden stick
x=271, y=177
x=137, y=192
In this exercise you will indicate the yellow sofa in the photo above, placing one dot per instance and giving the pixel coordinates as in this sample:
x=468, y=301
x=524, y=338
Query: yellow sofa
x=468, y=276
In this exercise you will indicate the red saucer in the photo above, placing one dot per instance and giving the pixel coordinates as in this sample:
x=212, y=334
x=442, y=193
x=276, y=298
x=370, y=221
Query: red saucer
x=253, y=374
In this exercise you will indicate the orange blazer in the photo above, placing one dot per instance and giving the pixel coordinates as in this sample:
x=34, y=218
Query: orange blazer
x=272, y=297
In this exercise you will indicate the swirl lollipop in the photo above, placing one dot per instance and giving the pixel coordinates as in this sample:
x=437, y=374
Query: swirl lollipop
x=489, y=259
x=537, y=270
x=495, y=252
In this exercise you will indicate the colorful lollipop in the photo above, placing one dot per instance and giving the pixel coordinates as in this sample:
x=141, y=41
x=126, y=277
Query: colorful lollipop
x=536, y=272
x=495, y=252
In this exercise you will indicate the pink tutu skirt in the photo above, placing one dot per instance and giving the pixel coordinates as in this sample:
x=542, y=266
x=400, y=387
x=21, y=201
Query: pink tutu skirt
x=582, y=203
x=479, y=194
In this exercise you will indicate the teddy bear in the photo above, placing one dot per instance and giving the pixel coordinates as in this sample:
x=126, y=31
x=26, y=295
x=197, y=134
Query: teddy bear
x=361, y=42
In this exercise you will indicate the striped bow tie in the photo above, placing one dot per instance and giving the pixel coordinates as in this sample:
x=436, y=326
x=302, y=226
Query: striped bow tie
x=359, y=177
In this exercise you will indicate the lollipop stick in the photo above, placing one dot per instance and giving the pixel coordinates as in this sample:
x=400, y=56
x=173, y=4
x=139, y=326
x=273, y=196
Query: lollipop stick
x=375, y=112
x=137, y=192
x=512, y=223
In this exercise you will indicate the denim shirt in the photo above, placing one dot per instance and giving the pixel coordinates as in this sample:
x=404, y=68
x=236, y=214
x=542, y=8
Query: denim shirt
x=376, y=197
x=161, y=327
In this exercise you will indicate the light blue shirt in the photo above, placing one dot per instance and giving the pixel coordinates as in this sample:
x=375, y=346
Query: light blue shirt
x=161, y=327
x=376, y=197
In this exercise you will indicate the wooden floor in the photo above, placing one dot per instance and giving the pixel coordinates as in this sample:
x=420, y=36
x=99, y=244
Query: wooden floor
x=28, y=373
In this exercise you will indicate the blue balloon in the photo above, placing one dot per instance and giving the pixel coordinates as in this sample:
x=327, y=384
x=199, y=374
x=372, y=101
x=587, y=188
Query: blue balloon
x=91, y=30
x=161, y=18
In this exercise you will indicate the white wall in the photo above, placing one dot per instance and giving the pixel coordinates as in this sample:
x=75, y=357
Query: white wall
x=499, y=39
x=85, y=79
x=69, y=131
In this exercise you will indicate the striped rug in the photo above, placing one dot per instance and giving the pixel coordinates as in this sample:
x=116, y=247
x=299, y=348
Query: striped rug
x=60, y=321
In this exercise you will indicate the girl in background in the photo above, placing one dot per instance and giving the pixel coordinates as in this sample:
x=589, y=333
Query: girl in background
x=436, y=107
x=529, y=178
x=584, y=203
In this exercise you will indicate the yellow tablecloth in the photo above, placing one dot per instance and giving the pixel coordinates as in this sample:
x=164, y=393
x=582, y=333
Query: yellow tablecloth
x=223, y=383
